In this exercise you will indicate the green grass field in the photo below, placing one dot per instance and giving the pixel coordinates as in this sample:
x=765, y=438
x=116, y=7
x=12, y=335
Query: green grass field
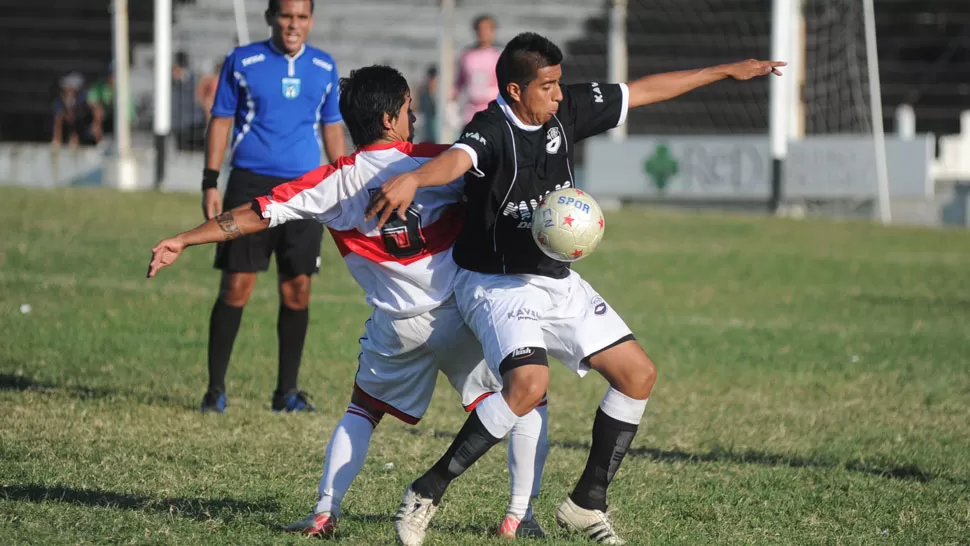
x=814, y=388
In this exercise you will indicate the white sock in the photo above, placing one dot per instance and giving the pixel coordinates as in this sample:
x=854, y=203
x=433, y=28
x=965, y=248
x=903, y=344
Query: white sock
x=528, y=447
x=623, y=408
x=496, y=415
x=542, y=449
x=346, y=453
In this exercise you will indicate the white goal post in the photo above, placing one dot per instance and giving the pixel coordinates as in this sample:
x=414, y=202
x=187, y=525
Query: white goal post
x=845, y=94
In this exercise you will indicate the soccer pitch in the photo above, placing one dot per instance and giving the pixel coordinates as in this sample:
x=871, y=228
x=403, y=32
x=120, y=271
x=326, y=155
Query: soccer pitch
x=813, y=388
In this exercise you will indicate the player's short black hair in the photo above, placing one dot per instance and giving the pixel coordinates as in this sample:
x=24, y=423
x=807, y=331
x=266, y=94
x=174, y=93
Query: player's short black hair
x=521, y=60
x=274, y=7
x=477, y=22
x=365, y=96
x=181, y=58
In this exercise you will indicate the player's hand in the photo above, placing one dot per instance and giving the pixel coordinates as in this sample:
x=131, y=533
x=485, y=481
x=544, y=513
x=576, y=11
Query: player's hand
x=752, y=68
x=396, y=194
x=211, y=203
x=164, y=254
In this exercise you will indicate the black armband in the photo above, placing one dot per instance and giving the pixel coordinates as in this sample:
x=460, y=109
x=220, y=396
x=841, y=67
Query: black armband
x=210, y=178
x=523, y=356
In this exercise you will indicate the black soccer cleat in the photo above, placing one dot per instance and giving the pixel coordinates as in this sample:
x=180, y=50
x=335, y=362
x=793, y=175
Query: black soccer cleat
x=214, y=402
x=292, y=402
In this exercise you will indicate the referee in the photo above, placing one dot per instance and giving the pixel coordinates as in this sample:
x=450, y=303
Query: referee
x=279, y=99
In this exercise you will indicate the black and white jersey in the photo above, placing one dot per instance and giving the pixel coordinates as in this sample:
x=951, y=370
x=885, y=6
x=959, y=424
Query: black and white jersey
x=516, y=165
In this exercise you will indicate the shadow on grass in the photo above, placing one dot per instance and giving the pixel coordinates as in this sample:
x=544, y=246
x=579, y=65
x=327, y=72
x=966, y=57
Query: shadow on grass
x=908, y=472
x=368, y=518
x=198, y=509
x=22, y=383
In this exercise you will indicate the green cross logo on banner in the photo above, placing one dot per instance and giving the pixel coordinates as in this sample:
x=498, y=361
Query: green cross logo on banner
x=661, y=166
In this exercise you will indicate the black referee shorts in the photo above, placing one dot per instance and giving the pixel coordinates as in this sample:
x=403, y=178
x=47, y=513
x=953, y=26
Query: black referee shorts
x=296, y=244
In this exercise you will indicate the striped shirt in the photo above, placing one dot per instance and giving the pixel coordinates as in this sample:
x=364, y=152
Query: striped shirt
x=406, y=268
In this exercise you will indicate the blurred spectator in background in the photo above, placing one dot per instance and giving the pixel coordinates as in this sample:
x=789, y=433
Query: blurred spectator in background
x=188, y=119
x=205, y=90
x=476, y=69
x=72, y=118
x=101, y=101
x=427, y=106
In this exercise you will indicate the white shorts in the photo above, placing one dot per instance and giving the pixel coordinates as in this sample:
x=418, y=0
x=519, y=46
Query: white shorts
x=400, y=359
x=564, y=316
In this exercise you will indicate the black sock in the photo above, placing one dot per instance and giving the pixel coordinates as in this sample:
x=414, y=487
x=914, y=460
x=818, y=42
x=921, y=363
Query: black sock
x=472, y=442
x=611, y=439
x=223, y=327
x=291, y=332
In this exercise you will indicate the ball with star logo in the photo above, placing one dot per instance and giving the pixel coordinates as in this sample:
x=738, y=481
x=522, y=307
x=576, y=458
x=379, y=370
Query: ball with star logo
x=568, y=224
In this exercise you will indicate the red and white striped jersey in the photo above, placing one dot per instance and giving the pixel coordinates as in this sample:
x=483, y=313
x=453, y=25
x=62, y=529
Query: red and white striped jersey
x=406, y=268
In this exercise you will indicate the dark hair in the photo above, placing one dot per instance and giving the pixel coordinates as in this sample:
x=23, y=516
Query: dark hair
x=432, y=72
x=368, y=94
x=274, y=7
x=521, y=60
x=477, y=22
x=181, y=59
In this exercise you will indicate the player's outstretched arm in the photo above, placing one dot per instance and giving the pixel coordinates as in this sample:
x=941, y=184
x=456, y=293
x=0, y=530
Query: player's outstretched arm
x=398, y=192
x=231, y=224
x=661, y=87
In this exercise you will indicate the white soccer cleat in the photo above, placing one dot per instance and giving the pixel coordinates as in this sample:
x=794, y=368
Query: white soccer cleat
x=513, y=528
x=413, y=517
x=595, y=524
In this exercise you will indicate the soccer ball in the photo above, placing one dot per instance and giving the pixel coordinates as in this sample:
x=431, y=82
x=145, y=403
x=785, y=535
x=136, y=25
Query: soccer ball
x=567, y=225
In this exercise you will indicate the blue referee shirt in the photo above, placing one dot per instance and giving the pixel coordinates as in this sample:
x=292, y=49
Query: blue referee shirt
x=277, y=103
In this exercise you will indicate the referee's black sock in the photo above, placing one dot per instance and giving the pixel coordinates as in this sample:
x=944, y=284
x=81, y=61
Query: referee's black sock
x=472, y=442
x=611, y=440
x=291, y=331
x=223, y=327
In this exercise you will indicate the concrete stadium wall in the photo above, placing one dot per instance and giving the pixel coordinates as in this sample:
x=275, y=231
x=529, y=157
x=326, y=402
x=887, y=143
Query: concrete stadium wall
x=38, y=166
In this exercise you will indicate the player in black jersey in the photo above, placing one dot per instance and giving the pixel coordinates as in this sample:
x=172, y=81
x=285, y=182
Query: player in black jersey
x=520, y=303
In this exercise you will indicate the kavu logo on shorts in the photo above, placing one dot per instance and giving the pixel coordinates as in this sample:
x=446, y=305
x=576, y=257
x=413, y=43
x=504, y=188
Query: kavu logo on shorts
x=599, y=305
x=523, y=314
x=291, y=88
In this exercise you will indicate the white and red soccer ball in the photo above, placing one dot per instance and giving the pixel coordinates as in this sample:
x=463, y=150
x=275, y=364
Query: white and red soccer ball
x=568, y=225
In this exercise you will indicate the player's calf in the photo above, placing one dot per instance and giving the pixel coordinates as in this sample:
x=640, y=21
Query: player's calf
x=346, y=453
x=632, y=375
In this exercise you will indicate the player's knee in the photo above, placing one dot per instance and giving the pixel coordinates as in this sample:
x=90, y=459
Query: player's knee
x=628, y=369
x=236, y=288
x=525, y=374
x=295, y=292
x=643, y=378
x=525, y=394
x=635, y=378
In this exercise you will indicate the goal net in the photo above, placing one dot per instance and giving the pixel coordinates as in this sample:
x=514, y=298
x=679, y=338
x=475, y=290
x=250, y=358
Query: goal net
x=836, y=83
x=674, y=34
x=829, y=85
